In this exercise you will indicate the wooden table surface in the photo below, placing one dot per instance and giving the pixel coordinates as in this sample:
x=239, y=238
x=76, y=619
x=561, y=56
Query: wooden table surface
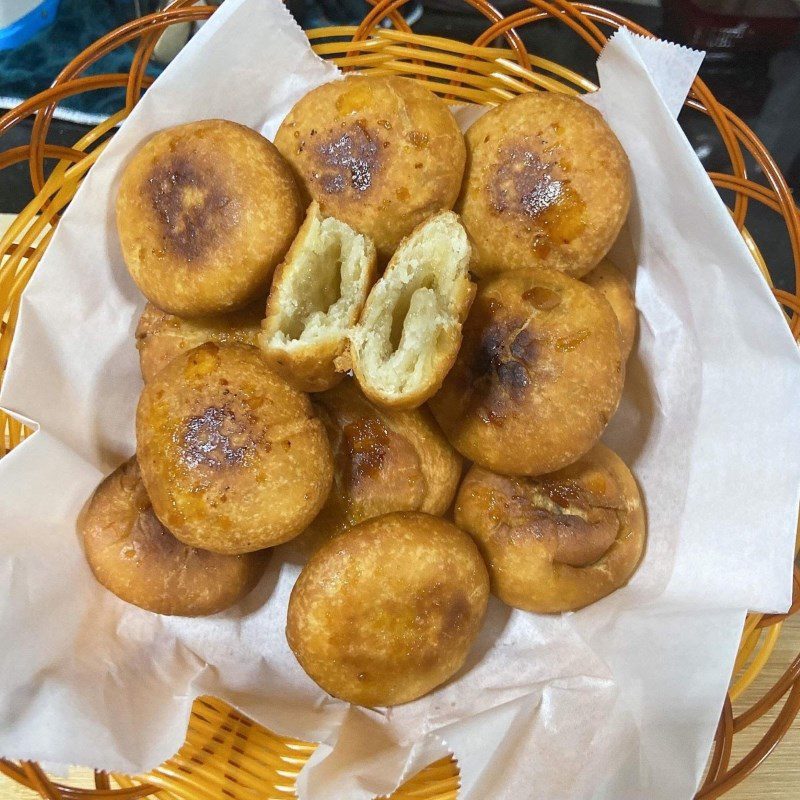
x=777, y=779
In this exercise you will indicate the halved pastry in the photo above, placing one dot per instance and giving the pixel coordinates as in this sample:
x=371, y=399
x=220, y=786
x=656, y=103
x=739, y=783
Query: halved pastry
x=317, y=295
x=410, y=331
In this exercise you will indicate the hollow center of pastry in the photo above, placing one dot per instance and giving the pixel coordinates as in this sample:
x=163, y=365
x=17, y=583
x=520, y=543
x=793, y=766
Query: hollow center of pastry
x=322, y=287
x=411, y=318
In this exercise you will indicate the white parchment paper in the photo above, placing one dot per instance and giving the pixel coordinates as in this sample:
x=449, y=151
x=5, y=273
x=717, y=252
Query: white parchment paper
x=618, y=701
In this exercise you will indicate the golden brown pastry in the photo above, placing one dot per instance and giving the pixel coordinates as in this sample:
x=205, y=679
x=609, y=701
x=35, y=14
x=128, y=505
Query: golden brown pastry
x=380, y=154
x=234, y=458
x=160, y=337
x=385, y=460
x=560, y=541
x=614, y=286
x=134, y=556
x=410, y=330
x=205, y=211
x=547, y=184
x=387, y=611
x=538, y=377
x=317, y=295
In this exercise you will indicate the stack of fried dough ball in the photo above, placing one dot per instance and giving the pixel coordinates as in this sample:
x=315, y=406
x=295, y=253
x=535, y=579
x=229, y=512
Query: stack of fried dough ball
x=394, y=344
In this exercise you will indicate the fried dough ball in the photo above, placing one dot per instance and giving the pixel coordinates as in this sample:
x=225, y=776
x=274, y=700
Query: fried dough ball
x=410, y=330
x=385, y=460
x=560, y=541
x=387, y=611
x=317, y=295
x=547, y=184
x=160, y=337
x=381, y=154
x=205, y=212
x=134, y=556
x=538, y=377
x=614, y=286
x=233, y=457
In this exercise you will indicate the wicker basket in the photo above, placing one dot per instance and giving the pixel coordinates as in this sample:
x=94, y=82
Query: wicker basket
x=225, y=753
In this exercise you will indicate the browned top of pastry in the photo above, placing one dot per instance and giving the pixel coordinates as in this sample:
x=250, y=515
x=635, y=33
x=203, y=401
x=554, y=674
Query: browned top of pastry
x=547, y=184
x=538, y=376
x=205, y=211
x=559, y=541
x=233, y=457
x=387, y=611
x=379, y=153
x=385, y=460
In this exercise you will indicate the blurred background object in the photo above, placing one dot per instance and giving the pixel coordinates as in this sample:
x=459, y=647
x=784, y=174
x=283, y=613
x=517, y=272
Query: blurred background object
x=739, y=37
x=30, y=66
x=20, y=20
x=733, y=25
x=321, y=13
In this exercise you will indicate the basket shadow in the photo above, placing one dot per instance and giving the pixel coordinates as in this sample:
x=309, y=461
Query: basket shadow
x=630, y=427
x=494, y=624
x=252, y=602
